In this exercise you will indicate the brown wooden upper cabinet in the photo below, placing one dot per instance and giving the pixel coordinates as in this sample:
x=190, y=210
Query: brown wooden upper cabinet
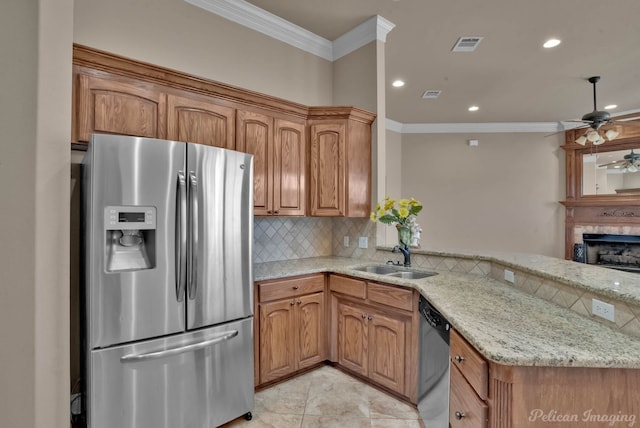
x=307, y=160
x=340, y=162
x=200, y=120
x=111, y=105
x=278, y=149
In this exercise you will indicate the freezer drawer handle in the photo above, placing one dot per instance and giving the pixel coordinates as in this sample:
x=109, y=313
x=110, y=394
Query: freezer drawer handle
x=134, y=358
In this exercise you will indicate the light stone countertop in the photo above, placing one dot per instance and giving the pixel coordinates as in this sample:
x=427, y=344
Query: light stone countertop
x=616, y=284
x=505, y=325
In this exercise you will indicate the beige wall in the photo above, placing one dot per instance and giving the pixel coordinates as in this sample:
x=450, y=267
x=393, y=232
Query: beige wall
x=35, y=113
x=502, y=195
x=355, y=78
x=177, y=35
x=392, y=183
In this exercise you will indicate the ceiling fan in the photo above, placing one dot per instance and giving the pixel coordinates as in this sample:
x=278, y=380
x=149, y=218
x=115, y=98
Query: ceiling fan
x=594, y=120
x=629, y=163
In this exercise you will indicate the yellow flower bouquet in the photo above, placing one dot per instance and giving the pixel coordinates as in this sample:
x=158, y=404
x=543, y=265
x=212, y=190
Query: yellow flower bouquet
x=401, y=213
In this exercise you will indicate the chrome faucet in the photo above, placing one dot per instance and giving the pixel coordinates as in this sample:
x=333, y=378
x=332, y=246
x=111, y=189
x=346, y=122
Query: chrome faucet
x=404, y=249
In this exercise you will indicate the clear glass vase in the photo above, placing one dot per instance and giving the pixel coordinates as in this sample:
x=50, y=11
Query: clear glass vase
x=404, y=235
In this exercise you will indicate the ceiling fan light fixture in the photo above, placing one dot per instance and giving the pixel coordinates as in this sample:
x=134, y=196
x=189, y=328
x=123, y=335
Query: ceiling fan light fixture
x=611, y=134
x=582, y=140
x=593, y=136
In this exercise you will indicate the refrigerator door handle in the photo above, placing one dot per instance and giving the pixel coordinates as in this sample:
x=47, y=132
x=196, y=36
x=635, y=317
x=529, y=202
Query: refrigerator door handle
x=193, y=245
x=134, y=358
x=181, y=237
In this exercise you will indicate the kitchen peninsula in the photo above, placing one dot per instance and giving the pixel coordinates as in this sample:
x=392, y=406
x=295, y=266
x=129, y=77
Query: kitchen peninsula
x=540, y=356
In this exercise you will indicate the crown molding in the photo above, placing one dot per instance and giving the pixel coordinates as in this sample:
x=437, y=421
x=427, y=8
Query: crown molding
x=394, y=126
x=465, y=128
x=375, y=28
x=250, y=16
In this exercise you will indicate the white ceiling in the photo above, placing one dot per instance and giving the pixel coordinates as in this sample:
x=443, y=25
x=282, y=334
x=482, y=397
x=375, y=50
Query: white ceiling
x=509, y=76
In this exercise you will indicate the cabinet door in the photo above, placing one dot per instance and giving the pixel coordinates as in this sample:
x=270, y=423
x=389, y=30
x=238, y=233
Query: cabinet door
x=310, y=330
x=112, y=106
x=276, y=339
x=201, y=121
x=327, y=169
x=254, y=134
x=352, y=338
x=387, y=348
x=289, y=196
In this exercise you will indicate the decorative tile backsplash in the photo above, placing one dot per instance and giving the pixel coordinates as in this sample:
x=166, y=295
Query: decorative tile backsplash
x=285, y=238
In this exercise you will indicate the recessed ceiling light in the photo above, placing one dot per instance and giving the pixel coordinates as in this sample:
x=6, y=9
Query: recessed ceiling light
x=398, y=83
x=551, y=43
x=474, y=108
x=610, y=106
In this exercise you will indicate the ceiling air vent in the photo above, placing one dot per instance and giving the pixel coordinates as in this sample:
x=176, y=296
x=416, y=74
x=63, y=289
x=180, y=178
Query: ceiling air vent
x=431, y=95
x=467, y=44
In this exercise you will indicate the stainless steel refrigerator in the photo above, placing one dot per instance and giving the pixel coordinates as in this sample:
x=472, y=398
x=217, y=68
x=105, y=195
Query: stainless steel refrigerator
x=168, y=296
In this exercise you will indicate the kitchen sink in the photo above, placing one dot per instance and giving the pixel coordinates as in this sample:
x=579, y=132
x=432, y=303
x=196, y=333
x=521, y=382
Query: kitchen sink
x=412, y=274
x=381, y=270
x=396, y=271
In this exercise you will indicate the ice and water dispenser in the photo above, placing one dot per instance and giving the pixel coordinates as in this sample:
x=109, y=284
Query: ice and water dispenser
x=130, y=237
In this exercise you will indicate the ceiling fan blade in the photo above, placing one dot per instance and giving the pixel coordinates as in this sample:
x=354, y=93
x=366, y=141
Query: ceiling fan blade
x=577, y=128
x=554, y=133
x=618, y=162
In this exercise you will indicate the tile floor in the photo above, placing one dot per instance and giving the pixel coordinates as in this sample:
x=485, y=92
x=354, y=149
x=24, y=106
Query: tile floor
x=328, y=398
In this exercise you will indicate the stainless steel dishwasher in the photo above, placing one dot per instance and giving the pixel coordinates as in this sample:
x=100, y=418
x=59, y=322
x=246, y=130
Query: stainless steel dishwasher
x=433, y=367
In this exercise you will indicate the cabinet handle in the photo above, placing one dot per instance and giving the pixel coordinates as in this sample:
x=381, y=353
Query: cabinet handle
x=276, y=212
x=269, y=212
x=459, y=415
x=295, y=287
x=369, y=317
x=364, y=316
x=299, y=301
x=292, y=303
x=459, y=359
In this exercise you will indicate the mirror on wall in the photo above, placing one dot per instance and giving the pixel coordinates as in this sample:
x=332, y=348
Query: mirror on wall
x=611, y=172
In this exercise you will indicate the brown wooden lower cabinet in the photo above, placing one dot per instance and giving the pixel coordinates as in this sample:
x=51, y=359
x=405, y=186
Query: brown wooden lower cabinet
x=371, y=330
x=466, y=409
x=291, y=326
x=374, y=334
x=484, y=393
x=372, y=344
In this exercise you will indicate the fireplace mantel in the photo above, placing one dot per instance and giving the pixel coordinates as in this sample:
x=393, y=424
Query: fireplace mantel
x=615, y=214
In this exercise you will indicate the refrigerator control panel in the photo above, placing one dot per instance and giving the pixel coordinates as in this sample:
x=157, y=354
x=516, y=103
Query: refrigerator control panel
x=129, y=218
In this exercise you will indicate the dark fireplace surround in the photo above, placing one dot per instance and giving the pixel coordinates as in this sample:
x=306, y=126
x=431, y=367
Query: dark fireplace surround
x=613, y=251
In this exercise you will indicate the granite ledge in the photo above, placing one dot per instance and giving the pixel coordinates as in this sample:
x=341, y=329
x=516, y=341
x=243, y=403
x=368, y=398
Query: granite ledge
x=615, y=284
x=505, y=325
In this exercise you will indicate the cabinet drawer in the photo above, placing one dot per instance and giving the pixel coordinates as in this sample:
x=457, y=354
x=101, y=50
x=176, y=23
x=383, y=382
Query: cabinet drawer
x=391, y=296
x=348, y=286
x=283, y=288
x=466, y=410
x=470, y=363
